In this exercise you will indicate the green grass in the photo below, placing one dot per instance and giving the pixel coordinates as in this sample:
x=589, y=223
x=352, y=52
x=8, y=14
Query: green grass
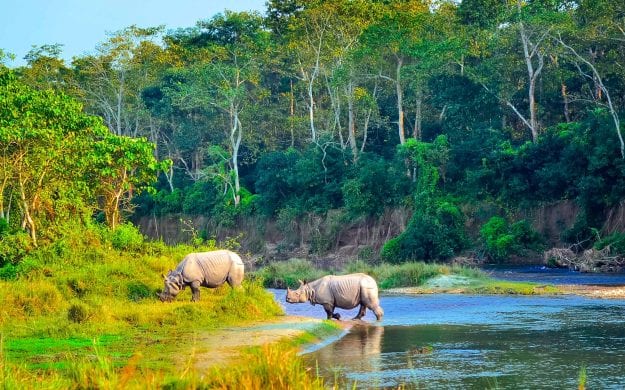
x=79, y=313
x=81, y=309
x=287, y=273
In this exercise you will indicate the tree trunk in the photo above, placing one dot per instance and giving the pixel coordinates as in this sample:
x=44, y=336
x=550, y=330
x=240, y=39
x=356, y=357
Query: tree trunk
x=235, y=141
x=529, y=51
x=565, y=99
x=418, y=117
x=400, y=101
x=292, y=113
x=349, y=90
x=28, y=221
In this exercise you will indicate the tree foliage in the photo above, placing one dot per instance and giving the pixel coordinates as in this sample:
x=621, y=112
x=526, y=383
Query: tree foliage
x=508, y=105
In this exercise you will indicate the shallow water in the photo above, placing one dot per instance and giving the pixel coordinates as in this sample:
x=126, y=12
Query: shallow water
x=472, y=341
x=542, y=274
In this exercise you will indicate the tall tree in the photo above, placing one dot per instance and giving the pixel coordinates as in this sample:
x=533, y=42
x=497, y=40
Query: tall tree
x=111, y=81
x=227, y=81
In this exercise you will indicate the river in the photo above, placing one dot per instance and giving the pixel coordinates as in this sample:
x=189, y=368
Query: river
x=478, y=341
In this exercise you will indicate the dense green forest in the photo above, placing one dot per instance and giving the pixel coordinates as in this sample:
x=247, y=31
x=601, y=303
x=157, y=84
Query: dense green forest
x=464, y=118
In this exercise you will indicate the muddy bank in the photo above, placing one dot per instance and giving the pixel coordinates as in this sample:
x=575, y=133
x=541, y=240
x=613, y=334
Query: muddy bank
x=614, y=292
x=224, y=346
x=592, y=291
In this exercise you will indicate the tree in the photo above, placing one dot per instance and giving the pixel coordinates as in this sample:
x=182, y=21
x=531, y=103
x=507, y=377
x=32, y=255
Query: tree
x=111, y=82
x=56, y=160
x=46, y=69
x=42, y=134
x=118, y=168
x=227, y=81
x=390, y=40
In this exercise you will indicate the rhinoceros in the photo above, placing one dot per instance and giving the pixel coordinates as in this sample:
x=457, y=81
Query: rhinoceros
x=207, y=269
x=345, y=292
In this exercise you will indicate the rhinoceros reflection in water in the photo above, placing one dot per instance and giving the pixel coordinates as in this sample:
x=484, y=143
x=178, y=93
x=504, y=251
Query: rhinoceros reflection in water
x=357, y=351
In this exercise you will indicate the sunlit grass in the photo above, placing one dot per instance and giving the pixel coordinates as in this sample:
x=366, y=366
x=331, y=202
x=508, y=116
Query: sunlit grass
x=81, y=314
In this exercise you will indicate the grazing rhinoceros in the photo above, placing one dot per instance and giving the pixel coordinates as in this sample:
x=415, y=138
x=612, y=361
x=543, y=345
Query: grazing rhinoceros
x=345, y=292
x=207, y=269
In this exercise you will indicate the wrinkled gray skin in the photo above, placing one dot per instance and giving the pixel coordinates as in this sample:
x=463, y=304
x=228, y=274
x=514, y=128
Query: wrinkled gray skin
x=345, y=292
x=206, y=269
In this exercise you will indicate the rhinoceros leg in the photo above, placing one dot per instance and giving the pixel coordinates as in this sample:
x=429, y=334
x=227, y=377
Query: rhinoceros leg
x=330, y=312
x=379, y=313
x=195, y=289
x=361, y=312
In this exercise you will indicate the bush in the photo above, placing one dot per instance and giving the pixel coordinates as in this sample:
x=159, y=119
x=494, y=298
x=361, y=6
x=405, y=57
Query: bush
x=138, y=291
x=127, y=237
x=377, y=184
x=502, y=240
x=78, y=313
x=616, y=242
x=4, y=227
x=435, y=232
x=8, y=272
x=14, y=247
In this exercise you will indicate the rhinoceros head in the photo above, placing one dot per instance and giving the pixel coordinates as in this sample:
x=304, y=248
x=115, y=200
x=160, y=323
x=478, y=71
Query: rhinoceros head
x=173, y=286
x=297, y=296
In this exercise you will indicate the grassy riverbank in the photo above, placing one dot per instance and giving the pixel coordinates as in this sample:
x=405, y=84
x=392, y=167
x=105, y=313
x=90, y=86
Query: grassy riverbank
x=83, y=313
x=412, y=277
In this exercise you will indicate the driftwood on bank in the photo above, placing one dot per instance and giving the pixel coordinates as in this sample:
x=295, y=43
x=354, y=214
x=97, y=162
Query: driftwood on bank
x=590, y=260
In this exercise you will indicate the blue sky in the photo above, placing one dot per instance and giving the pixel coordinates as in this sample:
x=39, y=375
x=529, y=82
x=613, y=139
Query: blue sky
x=81, y=24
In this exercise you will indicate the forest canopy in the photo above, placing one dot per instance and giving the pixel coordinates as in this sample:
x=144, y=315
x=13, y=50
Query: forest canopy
x=459, y=112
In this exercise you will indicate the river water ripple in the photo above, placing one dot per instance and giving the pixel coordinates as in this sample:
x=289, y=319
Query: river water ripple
x=477, y=341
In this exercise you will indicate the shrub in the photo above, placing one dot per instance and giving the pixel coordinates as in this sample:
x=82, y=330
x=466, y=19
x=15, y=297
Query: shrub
x=127, y=237
x=14, y=247
x=4, y=227
x=377, y=184
x=78, y=313
x=8, y=272
x=138, y=291
x=434, y=232
x=502, y=240
x=616, y=242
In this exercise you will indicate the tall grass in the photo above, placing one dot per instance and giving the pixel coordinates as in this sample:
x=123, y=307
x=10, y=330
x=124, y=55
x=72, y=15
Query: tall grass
x=274, y=366
x=82, y=287
x=271, y=366
x=283, y=274
x=287, y=273
x=581, y=379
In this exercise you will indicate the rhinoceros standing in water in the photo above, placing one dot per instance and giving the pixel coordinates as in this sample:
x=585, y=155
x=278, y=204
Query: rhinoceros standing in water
x=345, y=292
x=207, y=269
